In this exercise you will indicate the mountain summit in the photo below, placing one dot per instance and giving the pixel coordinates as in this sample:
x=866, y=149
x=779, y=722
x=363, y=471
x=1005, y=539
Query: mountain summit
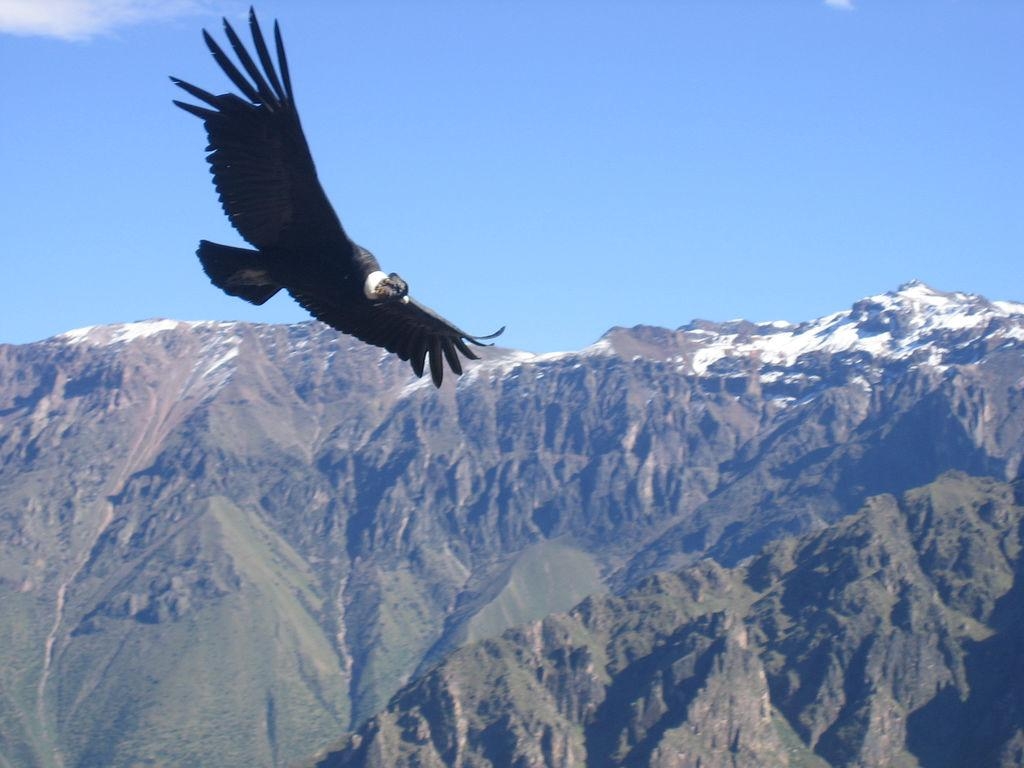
x=915, y=323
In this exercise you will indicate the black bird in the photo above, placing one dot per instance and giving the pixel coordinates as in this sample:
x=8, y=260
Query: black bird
x=268, y=187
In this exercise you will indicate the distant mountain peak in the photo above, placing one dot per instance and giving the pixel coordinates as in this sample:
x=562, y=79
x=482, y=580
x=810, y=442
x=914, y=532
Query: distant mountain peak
x=915, y=322
x=918, y=296
x=919, y=286
x=104, y=335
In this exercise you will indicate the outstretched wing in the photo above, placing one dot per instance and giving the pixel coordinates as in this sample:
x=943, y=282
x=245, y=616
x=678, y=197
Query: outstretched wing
x=264, y=173
x=409, y=329
x=259, y=157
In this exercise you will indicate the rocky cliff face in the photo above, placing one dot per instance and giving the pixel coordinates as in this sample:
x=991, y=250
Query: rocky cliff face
x=256, y=535
x=885, y=639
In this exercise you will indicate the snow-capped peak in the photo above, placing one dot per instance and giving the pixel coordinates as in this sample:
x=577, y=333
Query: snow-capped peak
x=928, y=306
x=104, y=335
x=914, y=322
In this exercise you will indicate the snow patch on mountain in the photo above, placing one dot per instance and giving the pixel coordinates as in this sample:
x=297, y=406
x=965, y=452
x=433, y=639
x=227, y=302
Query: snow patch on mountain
x=118, y=333
x=214, y=357
x=231, y=354
x=511, y=362
x=915, y=322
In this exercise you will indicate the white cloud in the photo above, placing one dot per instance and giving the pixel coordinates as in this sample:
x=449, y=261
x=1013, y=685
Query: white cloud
x=843, y=5
x=81, y=19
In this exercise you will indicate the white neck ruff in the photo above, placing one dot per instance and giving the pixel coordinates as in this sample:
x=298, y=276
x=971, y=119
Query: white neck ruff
x=372, y=281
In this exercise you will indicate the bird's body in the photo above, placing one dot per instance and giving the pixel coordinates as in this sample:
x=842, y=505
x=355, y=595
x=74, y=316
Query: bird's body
x=268, y=187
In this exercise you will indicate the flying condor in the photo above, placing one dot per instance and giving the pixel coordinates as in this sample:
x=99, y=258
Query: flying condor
x=268, y=187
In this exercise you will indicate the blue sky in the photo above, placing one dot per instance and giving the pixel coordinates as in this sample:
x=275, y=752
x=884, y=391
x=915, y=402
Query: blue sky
x=557, y=167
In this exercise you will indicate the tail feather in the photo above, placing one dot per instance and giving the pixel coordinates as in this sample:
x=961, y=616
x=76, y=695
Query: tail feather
x=237, y=271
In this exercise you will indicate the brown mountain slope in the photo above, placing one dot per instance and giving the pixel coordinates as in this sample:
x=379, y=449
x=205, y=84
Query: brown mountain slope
x=890, y=638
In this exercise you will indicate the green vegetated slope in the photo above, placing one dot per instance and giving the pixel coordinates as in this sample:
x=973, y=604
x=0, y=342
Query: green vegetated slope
x=548, y=577
x=234, y=669
x=22, y=640
x=891, y=638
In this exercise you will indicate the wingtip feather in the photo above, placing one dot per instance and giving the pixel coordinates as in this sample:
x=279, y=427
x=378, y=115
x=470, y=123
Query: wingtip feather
x=282, y=62
x=202, y=114
x=436, y=366
x=264, y=55
x=417, y=359
x=228, y=67
x=478, y=340
x=452, y=356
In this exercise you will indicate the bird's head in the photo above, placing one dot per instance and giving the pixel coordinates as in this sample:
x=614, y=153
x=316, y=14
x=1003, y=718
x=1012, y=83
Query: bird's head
x=381, y=287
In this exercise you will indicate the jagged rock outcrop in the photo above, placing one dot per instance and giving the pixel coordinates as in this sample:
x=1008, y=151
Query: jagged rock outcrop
x=872, y=642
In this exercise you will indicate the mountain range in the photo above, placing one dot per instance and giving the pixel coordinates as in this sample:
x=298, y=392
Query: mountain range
x=726, y=544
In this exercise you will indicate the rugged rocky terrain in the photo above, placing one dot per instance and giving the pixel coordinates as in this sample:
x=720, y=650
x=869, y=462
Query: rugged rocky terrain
x=228, y=544
x=889, y=638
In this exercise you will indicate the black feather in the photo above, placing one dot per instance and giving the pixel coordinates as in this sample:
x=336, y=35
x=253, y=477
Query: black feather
x=198, y=93
x=282, y=63
x=436, y=369
x=266, y=96
x=418, y=358
x=229, y=68
x=451, y=356
x=202, y=114
x=264, y=55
